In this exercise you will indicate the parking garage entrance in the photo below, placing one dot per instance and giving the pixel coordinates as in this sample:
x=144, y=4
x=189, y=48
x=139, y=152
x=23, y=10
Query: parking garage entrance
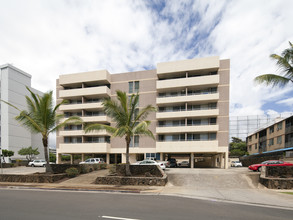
x=197, y=160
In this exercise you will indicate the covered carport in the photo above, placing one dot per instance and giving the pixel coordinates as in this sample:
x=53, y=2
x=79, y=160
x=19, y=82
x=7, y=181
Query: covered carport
x=200, y=160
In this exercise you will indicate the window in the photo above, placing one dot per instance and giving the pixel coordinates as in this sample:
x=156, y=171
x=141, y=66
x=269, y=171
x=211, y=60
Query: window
x=136, y=86
x=130, y=86
x=213, y=121
x=279, y=140
x=271, y=129
x=133, y=87
x=134, y=142
x=250, y=147
x=255, y=146
x=279, y=126
x=271, y=141
x=256, y=136
x=250, y=138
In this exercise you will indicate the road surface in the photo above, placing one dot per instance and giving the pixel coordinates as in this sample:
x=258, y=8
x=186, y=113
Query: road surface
x=69, y=205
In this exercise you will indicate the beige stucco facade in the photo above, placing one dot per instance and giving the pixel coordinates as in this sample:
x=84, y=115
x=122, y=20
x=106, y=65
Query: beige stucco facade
x=192, y=98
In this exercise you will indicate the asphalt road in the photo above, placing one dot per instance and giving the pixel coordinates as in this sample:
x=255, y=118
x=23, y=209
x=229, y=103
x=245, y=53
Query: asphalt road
x=63, y=205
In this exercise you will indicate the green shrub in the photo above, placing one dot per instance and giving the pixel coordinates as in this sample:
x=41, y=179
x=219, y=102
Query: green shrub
x=95, y=166
x=72, y=172
x=103, y=166
x=84, y=168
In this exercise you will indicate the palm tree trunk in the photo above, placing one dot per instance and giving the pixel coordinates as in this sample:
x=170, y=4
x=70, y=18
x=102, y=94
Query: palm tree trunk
x=48, y=167
x=127, y=167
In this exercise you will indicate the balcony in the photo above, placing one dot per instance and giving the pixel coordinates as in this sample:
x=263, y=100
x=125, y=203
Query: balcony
x=189, y=98
x=84, y=148
x=183, y=129
x=190, y=81
x=82, y=133
x=101, y=76
x=205, y=63
x=183, y=114
x=99, y=91
x=187, y=146
x=101, y=119
x=85, y=106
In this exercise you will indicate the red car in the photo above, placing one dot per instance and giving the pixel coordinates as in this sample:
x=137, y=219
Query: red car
x=275, y=163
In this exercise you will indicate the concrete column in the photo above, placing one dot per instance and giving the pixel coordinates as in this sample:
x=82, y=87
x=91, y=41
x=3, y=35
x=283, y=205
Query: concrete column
x=226, y=160
x=123, y=158
x=161, y=156
x=115, y=158
x=58, y=158
x=108, y=158
x=82, y=157
x=221, y=161
x=192, y=160
x=71, y=159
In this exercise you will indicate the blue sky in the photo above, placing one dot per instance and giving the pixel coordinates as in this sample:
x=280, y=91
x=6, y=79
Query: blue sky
x=48, y=38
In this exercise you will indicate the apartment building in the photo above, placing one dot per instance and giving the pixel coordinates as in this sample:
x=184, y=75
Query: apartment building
x=192, y=121
x=13, y=137
x=276, y=136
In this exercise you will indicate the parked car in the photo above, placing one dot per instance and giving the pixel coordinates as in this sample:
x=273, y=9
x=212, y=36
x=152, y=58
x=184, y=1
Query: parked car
x=236, y=164
x=275, y=163
x=37, y=163
x=184, y=164
x=172, y=162
x=152, y=162
x=167, y=163
x=93, y=161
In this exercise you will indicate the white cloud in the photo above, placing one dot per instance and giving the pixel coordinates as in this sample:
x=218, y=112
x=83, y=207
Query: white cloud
x=49, y=38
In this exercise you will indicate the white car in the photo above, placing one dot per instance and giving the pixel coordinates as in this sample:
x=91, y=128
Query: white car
x=152, y=162
x=236, y=164
x=37, y=163
x=93, y=161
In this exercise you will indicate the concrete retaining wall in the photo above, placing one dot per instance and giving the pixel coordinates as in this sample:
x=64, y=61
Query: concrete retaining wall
x=277, y=177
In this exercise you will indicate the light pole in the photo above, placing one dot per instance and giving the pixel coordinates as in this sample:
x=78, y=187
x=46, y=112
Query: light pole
x=1, y=159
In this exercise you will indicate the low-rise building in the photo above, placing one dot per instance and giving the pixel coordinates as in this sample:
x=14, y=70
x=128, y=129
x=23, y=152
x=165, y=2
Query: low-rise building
x=275, y=136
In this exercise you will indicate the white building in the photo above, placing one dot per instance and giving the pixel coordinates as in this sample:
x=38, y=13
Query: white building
x=13, y=137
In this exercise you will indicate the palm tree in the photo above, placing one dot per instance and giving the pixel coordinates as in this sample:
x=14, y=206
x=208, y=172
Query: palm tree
x=41, y=117
x=285, y=63
x=128, y=119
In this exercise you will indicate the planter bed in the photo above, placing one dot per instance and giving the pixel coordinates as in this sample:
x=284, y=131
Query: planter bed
x=32, y=178
x=148, y=175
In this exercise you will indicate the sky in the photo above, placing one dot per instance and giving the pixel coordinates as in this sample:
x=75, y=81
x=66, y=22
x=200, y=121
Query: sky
x=46, y=38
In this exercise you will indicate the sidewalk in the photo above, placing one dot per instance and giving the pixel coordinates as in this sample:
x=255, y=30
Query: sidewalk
x=250, y=196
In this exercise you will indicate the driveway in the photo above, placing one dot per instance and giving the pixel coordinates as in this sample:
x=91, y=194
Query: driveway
x=234, y=184
x=232, y=178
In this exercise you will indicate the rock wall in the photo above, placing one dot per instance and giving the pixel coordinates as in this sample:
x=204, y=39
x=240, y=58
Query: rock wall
x=34, y=178
x=277, y=177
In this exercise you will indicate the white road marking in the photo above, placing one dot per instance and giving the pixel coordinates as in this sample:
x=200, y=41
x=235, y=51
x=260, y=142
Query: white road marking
x=120, y=218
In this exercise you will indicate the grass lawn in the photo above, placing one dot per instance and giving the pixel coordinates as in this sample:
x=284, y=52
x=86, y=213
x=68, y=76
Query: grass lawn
x=290, y=193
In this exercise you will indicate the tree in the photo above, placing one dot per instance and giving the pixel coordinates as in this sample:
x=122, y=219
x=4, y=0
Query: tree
x=7, y=153
x=29, y=152
x=41, y=117
x=285, y=63
x=52, y=157
x=128, y=119
x=237, y=147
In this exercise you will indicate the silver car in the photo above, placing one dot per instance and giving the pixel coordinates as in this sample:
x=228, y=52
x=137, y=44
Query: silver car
x=152, y=162
x=93, y=161
x=37, y=163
